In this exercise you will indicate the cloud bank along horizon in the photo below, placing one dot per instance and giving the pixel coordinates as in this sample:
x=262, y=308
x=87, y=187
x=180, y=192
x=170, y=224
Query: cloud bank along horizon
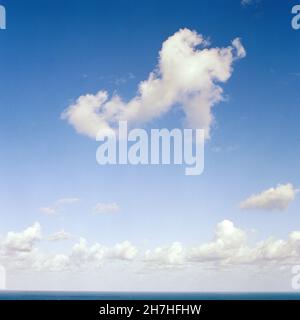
x=230, y=246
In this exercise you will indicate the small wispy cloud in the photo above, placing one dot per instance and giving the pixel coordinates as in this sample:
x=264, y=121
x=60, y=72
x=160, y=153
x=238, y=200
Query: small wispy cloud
x=57, y=206
x=119, y=80
x=230, y=148
x=59, y=236
x=106, y=208
x=64, y=201
x=246, y=2
x=249, y=2
x=48, y=210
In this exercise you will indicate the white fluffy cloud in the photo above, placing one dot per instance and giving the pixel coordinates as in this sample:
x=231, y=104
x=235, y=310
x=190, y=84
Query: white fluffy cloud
x=83, y=256
x=123, y=251
x=22, y=241
x=227, y=244
x=277, y=198
x=57, y=262
x=57, y=205
x=189, y=74
x=172, y=255
x=106, y=208
x=227, y=240
x=230, y=247
x=20, y=250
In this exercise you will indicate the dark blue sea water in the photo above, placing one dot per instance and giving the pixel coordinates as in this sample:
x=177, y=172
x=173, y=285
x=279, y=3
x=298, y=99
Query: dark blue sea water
x=59, y=295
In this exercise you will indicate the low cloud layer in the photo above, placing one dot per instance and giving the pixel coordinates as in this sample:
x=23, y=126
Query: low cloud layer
x=278, y=198
x=230, y=246
x=189, y=74
x=21, y=250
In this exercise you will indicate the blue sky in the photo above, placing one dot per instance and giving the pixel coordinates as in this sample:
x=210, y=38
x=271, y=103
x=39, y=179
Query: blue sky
x=55, y=51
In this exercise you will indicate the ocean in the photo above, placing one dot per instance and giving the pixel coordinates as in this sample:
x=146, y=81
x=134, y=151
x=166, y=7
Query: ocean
x=60, y=295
